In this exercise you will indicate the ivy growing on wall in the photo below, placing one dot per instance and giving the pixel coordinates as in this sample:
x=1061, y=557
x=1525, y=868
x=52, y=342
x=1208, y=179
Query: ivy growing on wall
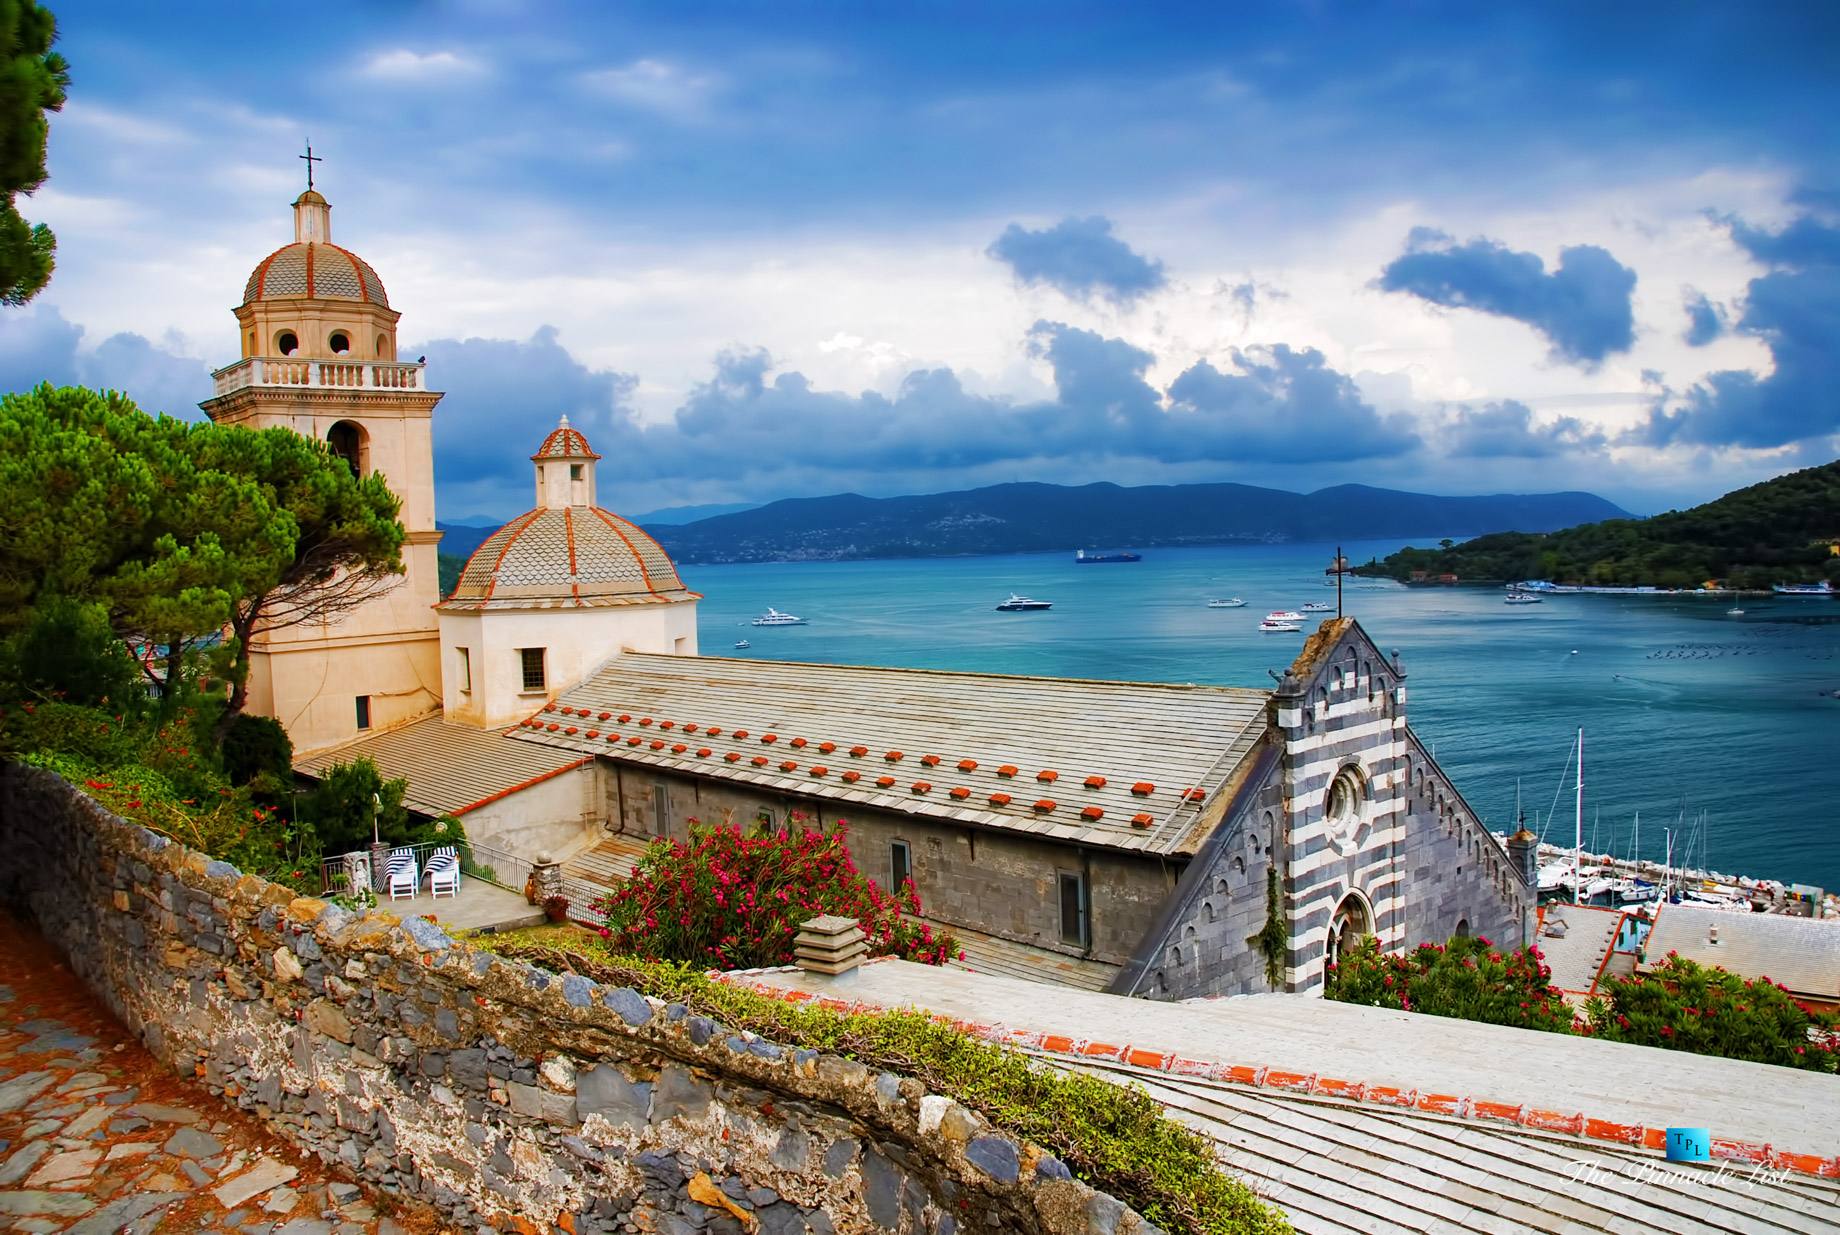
x=1272, y=937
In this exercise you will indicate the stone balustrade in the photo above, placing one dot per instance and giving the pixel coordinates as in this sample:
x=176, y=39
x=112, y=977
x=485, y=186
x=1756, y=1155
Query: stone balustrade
x=341, y=374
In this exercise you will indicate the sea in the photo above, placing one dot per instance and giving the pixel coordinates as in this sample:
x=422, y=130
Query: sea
x=1723, y=728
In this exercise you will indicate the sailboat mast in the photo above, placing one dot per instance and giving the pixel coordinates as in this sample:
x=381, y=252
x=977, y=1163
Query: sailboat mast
x=1578, y=843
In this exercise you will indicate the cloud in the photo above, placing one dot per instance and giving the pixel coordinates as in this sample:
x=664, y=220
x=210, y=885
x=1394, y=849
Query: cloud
x=1507, y=430
x=405, y=65
x=1795, y=309
x=1705, y=320
x=1079, y=258
x=1582, y=308
x=38, y=345
x=656, y=86
x=1284, y=406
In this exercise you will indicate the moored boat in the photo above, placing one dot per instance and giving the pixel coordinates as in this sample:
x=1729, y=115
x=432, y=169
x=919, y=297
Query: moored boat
x=1234, y=603
x=773, y=617
x=1318, y=606
x=1017, y=603
x=1521, y=598
x=1823, y=588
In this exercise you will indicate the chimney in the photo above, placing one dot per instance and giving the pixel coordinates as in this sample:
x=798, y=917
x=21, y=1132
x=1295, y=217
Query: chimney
x=1524, y=850
x=830, y=944
x=1712, y=935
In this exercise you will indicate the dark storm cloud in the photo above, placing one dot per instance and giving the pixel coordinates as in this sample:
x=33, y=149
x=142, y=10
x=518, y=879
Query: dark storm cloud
x=1795, y=309
x=1079, y=258
x=1582, y=308
x=747, y=426
x=39, y=345
x=1507, y=430
x=1705, y=322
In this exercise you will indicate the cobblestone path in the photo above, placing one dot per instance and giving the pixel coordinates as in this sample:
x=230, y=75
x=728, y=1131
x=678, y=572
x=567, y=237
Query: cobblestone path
x=97, y=1137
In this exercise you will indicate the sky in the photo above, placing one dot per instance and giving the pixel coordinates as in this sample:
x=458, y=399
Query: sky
x=763, y=251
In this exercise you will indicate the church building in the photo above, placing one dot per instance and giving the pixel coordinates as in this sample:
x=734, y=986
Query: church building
x=1126, y=836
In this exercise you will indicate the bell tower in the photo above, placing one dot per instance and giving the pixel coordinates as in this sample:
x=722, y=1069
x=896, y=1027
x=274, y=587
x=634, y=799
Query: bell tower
x=318, y=344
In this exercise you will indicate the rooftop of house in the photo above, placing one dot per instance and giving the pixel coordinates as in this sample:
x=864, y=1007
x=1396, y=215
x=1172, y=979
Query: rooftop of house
x=451, y=769
x=1576, y=941
x=1125, y=765
x=1802, y=954
x=1610, y=1092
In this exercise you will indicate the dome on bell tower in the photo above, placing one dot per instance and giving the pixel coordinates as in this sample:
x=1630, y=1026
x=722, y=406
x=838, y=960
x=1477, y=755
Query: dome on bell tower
x=313, y=267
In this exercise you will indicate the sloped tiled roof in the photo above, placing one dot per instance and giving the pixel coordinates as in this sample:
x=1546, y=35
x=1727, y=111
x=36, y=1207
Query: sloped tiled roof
x=317, y=271
x=1577, y=954
x=567, y=557
x=1802, y=954
x=1127, y=765
x=564, y=443
x=451, y=769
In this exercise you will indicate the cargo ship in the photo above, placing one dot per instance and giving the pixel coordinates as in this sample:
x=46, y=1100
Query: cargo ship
x=1086, y=559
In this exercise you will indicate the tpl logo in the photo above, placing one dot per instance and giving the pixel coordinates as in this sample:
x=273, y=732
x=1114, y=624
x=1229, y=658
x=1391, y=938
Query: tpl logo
x=1689, y=1145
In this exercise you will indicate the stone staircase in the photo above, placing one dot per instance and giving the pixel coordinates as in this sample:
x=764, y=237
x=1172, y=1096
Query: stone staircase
x=608, y=864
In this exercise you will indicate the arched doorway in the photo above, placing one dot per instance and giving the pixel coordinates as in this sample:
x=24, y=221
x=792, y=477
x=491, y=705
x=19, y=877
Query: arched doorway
x=1353, y=922
x=349, y=443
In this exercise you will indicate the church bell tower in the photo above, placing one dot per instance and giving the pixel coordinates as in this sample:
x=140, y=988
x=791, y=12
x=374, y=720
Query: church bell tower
x=318, y=349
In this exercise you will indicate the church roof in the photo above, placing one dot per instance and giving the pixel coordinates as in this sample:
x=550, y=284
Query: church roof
x=317, y=271
x=1802, y=954
x=562, y=557
x=564, y=443
x=451, y=769
x=1126, y=765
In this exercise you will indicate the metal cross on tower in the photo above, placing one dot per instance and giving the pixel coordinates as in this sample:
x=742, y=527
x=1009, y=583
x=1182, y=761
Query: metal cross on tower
x=311, y=159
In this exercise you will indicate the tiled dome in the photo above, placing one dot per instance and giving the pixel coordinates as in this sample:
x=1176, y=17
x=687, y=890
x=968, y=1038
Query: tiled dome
x=564, y=443
x=318, y=271
x=565, y=557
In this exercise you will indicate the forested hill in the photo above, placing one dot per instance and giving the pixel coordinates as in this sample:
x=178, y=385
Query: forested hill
x=1774, y=532
x=1027, y=518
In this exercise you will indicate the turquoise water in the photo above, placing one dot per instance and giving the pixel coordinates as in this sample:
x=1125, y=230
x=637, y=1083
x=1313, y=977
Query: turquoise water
x=1684, y=707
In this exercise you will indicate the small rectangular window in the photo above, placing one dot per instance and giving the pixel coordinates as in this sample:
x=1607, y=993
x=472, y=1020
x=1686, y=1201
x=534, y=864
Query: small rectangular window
x=574, y=471
x=661, y=811
x=534, y=677
x=364, y=711
x=900, y=865
x=466, y=668
x=1073, y=910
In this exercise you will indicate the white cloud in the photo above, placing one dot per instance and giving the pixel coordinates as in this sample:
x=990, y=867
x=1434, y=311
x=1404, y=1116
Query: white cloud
x=405, y=65
x=656, y=86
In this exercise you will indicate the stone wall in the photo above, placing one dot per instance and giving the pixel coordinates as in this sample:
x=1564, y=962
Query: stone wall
x=509, y=1097
x=1461, y=878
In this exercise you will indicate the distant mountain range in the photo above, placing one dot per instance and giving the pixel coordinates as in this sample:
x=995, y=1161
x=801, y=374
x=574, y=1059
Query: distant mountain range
x=1029, y=518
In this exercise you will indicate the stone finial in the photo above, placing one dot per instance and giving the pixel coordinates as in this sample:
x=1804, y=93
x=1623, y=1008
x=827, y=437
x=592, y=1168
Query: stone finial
x=830, y=944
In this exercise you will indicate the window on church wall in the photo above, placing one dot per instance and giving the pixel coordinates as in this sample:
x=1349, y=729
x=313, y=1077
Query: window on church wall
x=900, y=865
x=364, y=711
x=531, y=661
x=465, y=658
x=339, y=342
x=661, y=811
x=287, y=343
x=1074, y=909
x=348, y=443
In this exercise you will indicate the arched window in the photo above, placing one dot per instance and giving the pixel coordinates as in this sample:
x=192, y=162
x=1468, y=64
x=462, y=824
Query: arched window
x=383, y=347
x=1207, y=909
x=1462, y=928
x=1239, y=868
x=339, y=342
x=1353, y=922
x=350, y=443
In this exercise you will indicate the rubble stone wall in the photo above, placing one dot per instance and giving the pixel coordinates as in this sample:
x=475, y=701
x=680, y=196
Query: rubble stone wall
x=509, y=1097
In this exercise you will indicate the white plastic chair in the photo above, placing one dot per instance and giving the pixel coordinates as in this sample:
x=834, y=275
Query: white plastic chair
x=443, y=871
x=404, y=877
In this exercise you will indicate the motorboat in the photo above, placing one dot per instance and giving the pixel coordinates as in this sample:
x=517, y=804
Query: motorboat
x=1521, y=598
x=1823, y=588
x=1734, y=613
x=1278, y=624
x=1235, y=603
x=1284, y=615
x=743, y=643
x=1016, y=603
x=1318, y=606
x=773, y=617
x=1554, y=876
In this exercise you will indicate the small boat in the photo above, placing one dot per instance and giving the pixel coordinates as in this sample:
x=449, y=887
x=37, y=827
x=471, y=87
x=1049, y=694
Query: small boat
x=1521, y=598
x=1318, y=606
x=1734, y=613
x=1084, y=558
x=1235, y=603
x=773, y=617
x=1279, y=624
x=1017, y=603
x=743, y=644
x=1823, y=588
x=1284, y=615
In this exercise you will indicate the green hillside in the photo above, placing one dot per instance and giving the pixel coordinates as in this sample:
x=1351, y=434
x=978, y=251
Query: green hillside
x=1750, y=538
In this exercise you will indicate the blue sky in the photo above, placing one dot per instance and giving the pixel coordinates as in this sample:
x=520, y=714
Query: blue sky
x=766, y=251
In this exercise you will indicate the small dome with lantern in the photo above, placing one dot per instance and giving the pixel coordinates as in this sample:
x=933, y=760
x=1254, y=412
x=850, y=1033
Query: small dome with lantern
x=313, y=268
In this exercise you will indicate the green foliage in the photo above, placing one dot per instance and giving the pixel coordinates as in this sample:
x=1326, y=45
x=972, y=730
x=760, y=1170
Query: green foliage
x=67, y=651
x=33, y=79
x=1751, y=538
x=1272, y=939
x=731, y=901
x=1113, y=1137
x=255, y=745
x=1469, y=979
x=1682, y=1006
x=339, y=811
x=451, y=566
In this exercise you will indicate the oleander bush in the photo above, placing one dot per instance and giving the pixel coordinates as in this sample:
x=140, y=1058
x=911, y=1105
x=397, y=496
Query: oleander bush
x=1681, y=1005
x=1469, y=979
x=731, y=900
x=1113, y=1137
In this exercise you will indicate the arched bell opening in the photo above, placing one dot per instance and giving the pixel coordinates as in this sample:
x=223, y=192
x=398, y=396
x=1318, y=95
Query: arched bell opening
x=351, y=443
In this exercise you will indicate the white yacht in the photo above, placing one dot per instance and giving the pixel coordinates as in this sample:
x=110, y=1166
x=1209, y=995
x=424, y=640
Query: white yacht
x=1279, y=622
x=1284, y=615
x=773, y=617
x=1235, y=603
x=1521, y=598
x=1017, y=603
x=1318, y=606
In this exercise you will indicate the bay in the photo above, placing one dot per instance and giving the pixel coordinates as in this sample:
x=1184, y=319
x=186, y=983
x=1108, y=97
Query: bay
x=1685, y=708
